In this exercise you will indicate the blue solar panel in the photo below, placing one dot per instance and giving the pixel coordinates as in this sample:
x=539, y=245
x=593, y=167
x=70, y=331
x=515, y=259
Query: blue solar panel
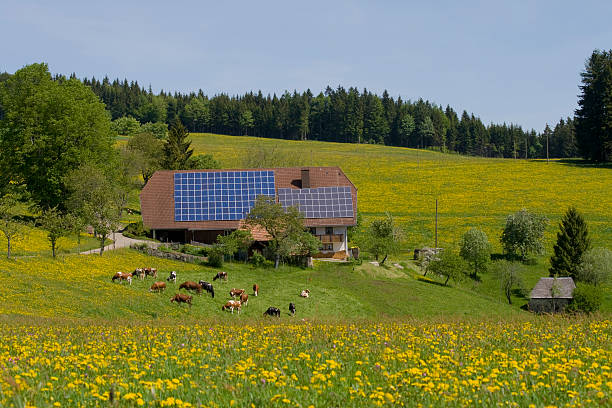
x=322, y=202
x=219, y=195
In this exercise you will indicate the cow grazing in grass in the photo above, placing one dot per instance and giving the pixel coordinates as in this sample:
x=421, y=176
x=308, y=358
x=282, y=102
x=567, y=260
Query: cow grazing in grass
x=158, y=287
x=207, y=287
x=256, y=289
x=244, y=299
x=272, y=311
x=236, y=292
x=292, y=309
x=189, y=285
x=220, y=275
x=150, y=272
x=305, y=293
x=122, y=276
x=181, y=298
x=139, y=272
x=231, y=305
x=172, y=277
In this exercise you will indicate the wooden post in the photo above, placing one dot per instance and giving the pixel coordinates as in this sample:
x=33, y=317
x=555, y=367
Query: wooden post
x=436, y=234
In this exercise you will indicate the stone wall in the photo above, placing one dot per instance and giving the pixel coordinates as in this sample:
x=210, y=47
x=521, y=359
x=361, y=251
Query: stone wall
x=175, y=256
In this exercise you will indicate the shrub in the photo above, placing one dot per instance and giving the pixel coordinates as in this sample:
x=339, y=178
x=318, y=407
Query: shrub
x=587, y=299
x=136, y=230
x=257, y=259
x=596, y=266
x=215, y=256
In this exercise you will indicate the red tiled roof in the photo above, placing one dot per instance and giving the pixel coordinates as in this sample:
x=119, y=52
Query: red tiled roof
x=157, y=197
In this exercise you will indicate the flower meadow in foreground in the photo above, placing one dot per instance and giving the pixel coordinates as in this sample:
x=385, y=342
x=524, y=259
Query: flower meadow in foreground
x=548, y=362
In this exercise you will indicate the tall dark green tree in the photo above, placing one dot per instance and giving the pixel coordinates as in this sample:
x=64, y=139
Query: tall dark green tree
x=572, y=242
x=594, y=113
x=177, y=149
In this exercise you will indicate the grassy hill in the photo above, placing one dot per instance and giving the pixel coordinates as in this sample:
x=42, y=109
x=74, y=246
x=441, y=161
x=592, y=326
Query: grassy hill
x=471, y=191
x=80, y=286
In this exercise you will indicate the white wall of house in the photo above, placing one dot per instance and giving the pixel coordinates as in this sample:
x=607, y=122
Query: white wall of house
x=336, y=246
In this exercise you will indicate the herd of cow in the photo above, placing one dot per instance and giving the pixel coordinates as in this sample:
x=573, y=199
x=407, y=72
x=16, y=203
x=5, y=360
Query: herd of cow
x=239, y=296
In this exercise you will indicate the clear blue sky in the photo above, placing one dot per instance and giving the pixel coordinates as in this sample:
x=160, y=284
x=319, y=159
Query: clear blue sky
x=516, y=61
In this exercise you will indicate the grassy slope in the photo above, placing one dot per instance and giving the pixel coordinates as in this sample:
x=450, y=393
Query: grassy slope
x=80, y=286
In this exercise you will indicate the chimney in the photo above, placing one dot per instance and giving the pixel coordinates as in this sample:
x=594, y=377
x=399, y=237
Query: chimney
x=305, y=178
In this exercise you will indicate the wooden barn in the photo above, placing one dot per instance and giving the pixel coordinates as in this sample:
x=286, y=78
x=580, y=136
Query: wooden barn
x=551, y=295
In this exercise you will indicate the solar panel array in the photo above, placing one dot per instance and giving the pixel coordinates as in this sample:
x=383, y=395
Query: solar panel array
x=322, y=202
x=219, y=195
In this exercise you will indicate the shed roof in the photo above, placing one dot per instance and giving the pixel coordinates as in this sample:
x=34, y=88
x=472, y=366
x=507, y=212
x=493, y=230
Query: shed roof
x=157, y=197
x=543, y=289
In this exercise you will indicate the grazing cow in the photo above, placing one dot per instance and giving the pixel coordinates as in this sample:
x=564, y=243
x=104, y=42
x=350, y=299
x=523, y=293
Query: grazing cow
x=220, y=275
x=139, y=272
x=292, y=309
x=181, y=298
x=255, y=289
x=158, y=287
x=272, y=311
x=122, y=276
x=232, y=304
x=207, y=287
x=150, y=272
x=172, y=277
x=236, y=292
x=305, y=293
x=189, y=285
x=244, y=299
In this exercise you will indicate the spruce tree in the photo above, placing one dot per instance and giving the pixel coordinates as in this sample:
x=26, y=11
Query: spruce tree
x=572, y=243
x=177, y=148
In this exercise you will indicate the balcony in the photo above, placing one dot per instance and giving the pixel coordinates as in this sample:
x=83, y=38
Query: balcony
x=329, y=239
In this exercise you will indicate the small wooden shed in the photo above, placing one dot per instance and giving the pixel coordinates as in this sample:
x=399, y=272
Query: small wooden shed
x=551, y=295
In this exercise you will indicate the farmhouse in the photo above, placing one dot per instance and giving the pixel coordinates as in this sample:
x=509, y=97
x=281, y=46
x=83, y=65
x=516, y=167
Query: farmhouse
x=199, y=205
x=551, y=295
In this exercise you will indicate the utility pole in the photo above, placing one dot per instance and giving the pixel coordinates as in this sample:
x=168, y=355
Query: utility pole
x=436, y=234
x=546, y=147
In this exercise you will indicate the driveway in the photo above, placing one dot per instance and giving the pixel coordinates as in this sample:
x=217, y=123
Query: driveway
x=121, y=241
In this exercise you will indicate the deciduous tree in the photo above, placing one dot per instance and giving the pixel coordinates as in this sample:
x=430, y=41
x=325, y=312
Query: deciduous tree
x=523, y=233
x=475, y=249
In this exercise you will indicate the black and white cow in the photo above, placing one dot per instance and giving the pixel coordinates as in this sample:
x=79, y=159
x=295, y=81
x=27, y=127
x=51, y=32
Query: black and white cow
x=292, y=309
x=272, y=311
x=172, y=277
x=207, y=287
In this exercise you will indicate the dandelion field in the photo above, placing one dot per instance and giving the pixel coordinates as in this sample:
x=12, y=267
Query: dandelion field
x=540, y=362
x=471, y=191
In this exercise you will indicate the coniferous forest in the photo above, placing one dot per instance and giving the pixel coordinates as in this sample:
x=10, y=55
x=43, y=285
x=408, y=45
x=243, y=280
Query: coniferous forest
x=360, y=116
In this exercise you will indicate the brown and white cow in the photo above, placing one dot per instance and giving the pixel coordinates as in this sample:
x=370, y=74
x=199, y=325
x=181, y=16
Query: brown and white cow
x=244, y=299
x=256, y=289
x=236, y=292
x=139, y=272
x=158, y=287
x=305, y=293
x=181, y=298
x=122, y=276
x=190, y=285
x=150, y=272
x=220, y=275
x=231, y=305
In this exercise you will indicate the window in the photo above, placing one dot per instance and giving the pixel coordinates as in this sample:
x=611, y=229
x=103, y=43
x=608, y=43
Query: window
x=329, y=230
x=328, y=247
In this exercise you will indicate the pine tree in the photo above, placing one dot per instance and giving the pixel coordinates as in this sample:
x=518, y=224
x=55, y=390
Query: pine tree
x=177, y=149
x=572, y=243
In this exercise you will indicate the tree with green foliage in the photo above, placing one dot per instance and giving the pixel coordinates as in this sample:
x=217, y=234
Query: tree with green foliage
x=157, y=129
x=288, y=237
x=475, y=249
x=381, y=238
x=93, y=196
x=148, y=150
x=595, y=267
x=523, y=234
x=126, y=126
x=594, y=114
x=246, y=121
x=406, y=128
x=203, y=161
x=238, y=241
x=76, y=224
x=449, y=265
x=586, y=298
x=10, y=226
x=572, y=242
x=509, y=276
x=177, y=149
x=48, y=128
x=197, y=114
x=57, y=226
